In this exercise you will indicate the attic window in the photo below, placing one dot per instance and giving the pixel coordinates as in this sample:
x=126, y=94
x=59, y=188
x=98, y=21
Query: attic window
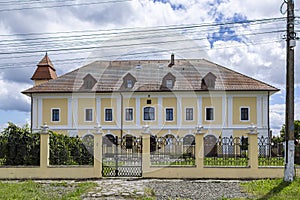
x=208, y=81
x=88, y=82
x=129, y=83
x=169, y=83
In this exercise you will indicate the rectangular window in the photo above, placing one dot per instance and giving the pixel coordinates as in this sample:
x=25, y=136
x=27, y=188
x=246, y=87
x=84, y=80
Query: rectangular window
x=108, y=115
x=129, y=114
x=55, y=115
x=169, y=83
x=189, y=114
x=169, y=114
x=129, y=83
x=244, y=114
x=149, y=113
x=209, y=114
x=88, y=115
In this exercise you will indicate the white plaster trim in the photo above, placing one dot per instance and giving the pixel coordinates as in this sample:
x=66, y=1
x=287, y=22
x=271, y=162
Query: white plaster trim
x=59, y=115
x=75, y=112
x=166, y=114
x=224, y=111
x=179, y=111
x=214, y=113
x=249, y=110
x=34, y=112
x=259, y=112
x=40, y=112
x=98, y=110
x=185, y=114
x=200, y=110
x=138, y=112
x=70, y=110
x=124, y=114
x=159, y=111
x=119, y=112
x=265, y=112
x=84, y=114
x=230, y=111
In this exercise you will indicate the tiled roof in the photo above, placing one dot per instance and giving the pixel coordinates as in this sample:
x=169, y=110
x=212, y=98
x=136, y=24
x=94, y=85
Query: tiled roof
x=45, y=70
x=149, y=76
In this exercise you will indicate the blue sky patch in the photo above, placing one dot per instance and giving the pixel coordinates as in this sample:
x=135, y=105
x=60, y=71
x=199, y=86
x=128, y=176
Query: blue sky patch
x=226, y=31
x=173, y=5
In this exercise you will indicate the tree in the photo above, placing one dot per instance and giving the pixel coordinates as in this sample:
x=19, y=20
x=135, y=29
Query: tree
x=296, y=130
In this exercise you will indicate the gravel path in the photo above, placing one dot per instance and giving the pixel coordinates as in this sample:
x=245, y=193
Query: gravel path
x=166, y=189
x=196, y=189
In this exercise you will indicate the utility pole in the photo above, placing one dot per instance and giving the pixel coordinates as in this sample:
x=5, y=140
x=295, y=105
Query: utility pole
x=289, y=170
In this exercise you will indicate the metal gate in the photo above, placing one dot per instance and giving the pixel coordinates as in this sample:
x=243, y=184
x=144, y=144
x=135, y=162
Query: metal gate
x=121, y=157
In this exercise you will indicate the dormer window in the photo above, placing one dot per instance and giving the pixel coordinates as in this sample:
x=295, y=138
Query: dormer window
x=208, y=81
x=88, y=82
x=169, y=83
x=129, y=83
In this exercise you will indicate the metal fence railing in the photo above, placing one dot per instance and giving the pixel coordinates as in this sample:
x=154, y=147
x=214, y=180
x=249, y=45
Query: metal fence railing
x=270, y=153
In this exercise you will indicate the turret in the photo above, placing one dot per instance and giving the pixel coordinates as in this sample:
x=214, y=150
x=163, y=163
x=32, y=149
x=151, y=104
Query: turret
x=45, y=71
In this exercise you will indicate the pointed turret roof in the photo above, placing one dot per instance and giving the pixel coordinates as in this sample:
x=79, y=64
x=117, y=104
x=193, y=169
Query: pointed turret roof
x=45, y=70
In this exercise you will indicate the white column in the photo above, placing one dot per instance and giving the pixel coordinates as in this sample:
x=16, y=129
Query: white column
x=230, y=111
x=138, y=111
x=224, y=110
x=179, y=111
x=40, y=112
x=119, y=112
x=34, y=113
x=98, y=110
x=200, y=110
x=159, y=111
x=75, y=112
x=265, y=112
x=259, y=111
x=70, y=112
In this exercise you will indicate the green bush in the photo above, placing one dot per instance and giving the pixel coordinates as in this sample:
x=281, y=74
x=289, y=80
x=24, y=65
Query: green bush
x=20, y=147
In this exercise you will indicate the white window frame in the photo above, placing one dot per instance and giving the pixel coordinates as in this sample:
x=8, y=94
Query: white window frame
x=144, y=114
x=112, y=114
x=248, y=107
x=132, y=114
x=172, y=114
x=85, y=112
x=169, y=83
x=214, y=116
x=59, y=115
x=129, y=82
x=185, y=116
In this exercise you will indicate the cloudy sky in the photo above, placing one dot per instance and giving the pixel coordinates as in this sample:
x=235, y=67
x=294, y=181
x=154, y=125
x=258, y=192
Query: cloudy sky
x=246, y=36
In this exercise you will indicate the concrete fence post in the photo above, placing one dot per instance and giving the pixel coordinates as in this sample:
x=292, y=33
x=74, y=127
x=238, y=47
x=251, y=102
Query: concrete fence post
x=253, y=147
x=44, y=146
x=146, y=149
x=199, y=148
x=98, y=134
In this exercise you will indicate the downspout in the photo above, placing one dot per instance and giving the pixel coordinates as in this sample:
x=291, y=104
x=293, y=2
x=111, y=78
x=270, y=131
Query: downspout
x=31, y=114
x=121, y=115
x=269, y=133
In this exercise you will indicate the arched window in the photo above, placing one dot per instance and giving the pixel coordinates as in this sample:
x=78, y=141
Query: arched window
x=149, y=113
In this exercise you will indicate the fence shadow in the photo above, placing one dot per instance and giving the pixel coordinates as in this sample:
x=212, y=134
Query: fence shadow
x=275, y=190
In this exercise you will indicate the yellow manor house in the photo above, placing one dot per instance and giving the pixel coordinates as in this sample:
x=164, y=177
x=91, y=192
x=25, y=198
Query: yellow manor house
x=170, y=96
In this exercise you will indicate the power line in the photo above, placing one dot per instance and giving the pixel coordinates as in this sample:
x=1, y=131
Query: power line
x=65, y=5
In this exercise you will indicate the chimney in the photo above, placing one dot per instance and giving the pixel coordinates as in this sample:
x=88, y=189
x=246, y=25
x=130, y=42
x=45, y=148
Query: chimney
x=172, y=61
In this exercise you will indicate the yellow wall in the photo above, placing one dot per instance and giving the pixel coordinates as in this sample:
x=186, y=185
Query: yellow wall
x=169, y=103
x=189, y=103
x=83, y=104
x=238, y=102
x=108, y=103
x=215, y=103
x=62, y=104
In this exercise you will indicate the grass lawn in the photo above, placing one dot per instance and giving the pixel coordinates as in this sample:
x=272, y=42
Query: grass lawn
x=273, y=189
x=44, y=191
